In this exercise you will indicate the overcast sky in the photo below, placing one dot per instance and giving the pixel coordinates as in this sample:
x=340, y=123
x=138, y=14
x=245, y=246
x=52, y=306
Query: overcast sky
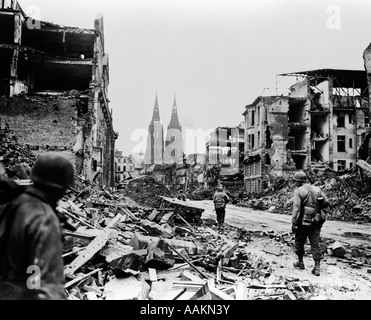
x=216, y=55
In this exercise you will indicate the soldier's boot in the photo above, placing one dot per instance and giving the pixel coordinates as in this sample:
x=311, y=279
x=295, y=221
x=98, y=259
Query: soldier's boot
x=299, y=263
x=315, y=270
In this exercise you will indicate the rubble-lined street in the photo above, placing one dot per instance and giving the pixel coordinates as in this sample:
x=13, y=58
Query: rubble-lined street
x=158, y=255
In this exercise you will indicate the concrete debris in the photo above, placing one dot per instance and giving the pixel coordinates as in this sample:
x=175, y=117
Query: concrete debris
x=139, y=242
x=350, y=199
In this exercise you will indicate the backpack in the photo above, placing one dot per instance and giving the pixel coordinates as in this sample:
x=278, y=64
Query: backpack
x=219, y=200
x=319, y=216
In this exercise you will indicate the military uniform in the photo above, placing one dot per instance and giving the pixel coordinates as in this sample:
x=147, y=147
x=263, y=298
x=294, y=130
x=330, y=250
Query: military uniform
x=31, y=246
x=305, y=208
x=220, y=200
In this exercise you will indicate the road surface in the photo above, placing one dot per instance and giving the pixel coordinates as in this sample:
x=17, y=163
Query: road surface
x=256, y=220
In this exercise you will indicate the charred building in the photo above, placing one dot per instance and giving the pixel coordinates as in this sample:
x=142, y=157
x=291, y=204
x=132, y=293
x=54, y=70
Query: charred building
x=54, y=90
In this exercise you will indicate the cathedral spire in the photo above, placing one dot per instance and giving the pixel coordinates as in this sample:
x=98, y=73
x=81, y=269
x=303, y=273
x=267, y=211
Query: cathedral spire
x=156, y=111
x=174, y=121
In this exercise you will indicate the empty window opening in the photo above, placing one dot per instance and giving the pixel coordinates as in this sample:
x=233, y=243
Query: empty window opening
x=82, y=105
x=5, y=62
x=267, y=160
x=318, y=125
x=268, y=141
x=296, y=110
x=341, y=143
x=341, y=165
x=252, y=117
x=318, y=150
x=367, y=118
x=340, y=119
x=296, y=141
x=350, y=143
x=351, y=118
x=299, y=161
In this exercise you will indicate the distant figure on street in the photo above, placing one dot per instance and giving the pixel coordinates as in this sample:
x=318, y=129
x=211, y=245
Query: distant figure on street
x=31, y=264
x=306, y=219
x=220, y=200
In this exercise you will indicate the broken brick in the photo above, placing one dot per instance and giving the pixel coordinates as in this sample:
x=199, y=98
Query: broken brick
x=159, y=255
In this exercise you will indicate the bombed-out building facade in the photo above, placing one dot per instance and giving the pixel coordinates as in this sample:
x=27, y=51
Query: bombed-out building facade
x=319, y=125
x=54, y=90
x=225, y=155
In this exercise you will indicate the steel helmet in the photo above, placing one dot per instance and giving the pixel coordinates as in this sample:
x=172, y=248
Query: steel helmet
x=300, y=176
x=54, y=170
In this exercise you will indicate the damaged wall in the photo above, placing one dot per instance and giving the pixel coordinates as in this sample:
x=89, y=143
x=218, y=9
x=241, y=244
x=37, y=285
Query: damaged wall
x=42, y=123
x=367, y=65
x=279, y=130
x=47, y=124
x=62, y=75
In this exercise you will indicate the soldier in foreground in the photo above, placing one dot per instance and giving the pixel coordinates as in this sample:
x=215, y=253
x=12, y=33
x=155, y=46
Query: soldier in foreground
x=307, y=220
x=31, y=264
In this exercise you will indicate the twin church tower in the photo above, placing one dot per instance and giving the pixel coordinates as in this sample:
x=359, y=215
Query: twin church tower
x=160, y=150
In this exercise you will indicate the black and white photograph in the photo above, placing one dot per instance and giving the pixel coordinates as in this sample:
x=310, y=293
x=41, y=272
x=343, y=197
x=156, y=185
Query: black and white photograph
x=185, y=154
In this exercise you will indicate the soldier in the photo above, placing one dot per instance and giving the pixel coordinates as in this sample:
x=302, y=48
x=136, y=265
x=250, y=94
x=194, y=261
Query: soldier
x=31, y=264
x=308, y=200
x=220, y=200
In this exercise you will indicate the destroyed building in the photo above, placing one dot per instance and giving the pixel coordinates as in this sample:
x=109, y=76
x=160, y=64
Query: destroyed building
x=225, y=154
x=124, y=167
x=54, y=90
x=318, y=125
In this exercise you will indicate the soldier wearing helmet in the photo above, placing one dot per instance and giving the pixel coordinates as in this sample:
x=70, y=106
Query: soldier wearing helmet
x=31, y=264
x=305, y=225
x=220, y=200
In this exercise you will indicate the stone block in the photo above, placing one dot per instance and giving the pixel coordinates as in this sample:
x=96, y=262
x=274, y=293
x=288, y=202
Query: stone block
x=131, y=261
x=273, y=249
x=159, y=255
x=126, y=289
x=112, y=251
x=156, y=230
x=338, y=249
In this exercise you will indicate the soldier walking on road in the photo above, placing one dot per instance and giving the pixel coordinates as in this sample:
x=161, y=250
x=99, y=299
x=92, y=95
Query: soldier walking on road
x=220, y=200
x=306, y=219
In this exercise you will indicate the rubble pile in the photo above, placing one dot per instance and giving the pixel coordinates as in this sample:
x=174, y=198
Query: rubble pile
x=200, y=194
x=349, y=199
x=119, y=254
x=15, y=160
x=145, y=190
x=124, y=256
x=140, y=253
